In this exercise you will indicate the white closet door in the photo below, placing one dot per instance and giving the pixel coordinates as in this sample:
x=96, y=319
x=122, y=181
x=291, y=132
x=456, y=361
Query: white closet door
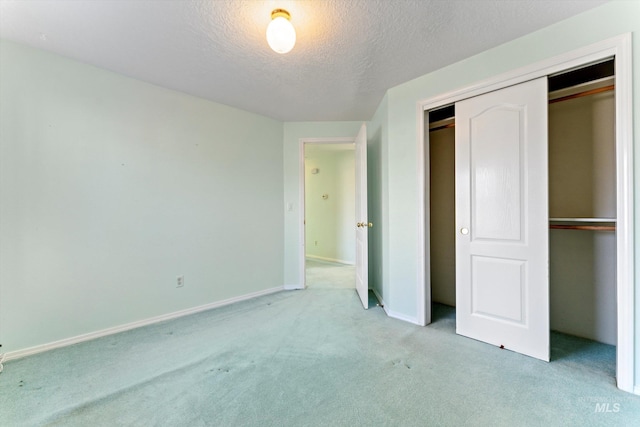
x=502, y=255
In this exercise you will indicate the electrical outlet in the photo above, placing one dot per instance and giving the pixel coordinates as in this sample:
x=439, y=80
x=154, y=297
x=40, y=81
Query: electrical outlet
x=180, y=282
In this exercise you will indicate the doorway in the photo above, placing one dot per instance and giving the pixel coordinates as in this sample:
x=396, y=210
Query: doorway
x=618, y=49
x=361, y=227
x=329, y=205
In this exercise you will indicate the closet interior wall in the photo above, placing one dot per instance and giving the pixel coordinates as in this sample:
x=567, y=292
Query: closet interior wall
x=442, y=212
x=582, y=184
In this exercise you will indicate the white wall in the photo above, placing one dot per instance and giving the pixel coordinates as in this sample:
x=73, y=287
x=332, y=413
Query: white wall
x=330, y=222
x=110, y=188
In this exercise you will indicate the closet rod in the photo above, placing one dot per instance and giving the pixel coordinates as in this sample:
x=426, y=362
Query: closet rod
x=581, y=94
x=450, y=125
x=583, y=227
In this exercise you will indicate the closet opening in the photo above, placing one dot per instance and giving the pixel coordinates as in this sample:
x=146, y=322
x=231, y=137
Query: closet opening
x=582, y=210
x=441, y=188
x=582, y=214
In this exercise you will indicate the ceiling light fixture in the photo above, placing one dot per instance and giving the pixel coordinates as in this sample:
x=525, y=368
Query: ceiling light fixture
x=281, y=35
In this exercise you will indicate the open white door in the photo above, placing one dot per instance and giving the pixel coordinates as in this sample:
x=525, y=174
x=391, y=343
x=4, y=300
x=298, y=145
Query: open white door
x=362, y=227
x=502, y=251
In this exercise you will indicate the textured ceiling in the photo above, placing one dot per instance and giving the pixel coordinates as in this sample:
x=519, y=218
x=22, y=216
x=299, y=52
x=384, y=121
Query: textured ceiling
x=348, y=53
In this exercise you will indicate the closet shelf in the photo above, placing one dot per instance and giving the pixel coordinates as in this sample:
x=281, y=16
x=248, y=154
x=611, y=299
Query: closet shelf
x=583, y=227
x=592, y=220
x=594, y=224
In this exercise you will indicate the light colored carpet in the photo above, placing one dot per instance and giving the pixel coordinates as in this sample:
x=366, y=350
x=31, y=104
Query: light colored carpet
x=329, y=275
x=310, y=358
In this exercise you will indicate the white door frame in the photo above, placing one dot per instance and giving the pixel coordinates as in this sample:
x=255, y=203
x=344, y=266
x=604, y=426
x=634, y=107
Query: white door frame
x=301, y=192
x=619, y=48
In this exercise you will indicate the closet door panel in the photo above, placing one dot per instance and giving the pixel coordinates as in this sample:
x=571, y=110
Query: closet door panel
x=495, y=173
x=502, y=259
x=498, y=276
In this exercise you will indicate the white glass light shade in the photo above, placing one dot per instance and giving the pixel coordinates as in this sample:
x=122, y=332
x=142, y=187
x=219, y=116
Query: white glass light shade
x=281, y=35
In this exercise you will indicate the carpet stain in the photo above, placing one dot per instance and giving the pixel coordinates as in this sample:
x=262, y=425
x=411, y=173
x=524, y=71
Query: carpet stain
x=401, y=363
x=225, y=370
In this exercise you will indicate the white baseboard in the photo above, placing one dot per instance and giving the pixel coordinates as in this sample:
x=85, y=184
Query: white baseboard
x=393, y=314
x=339, y=261
x=636, y=390
x=145, y=322
x=402, y=317
x=293, y=287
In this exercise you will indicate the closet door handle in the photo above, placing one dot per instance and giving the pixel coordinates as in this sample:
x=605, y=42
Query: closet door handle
x=464, y=231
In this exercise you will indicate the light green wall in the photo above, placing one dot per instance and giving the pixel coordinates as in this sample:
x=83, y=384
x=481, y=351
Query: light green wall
x=110, y=188
x=294, y=132
x=607, y=21
x=330, y=222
